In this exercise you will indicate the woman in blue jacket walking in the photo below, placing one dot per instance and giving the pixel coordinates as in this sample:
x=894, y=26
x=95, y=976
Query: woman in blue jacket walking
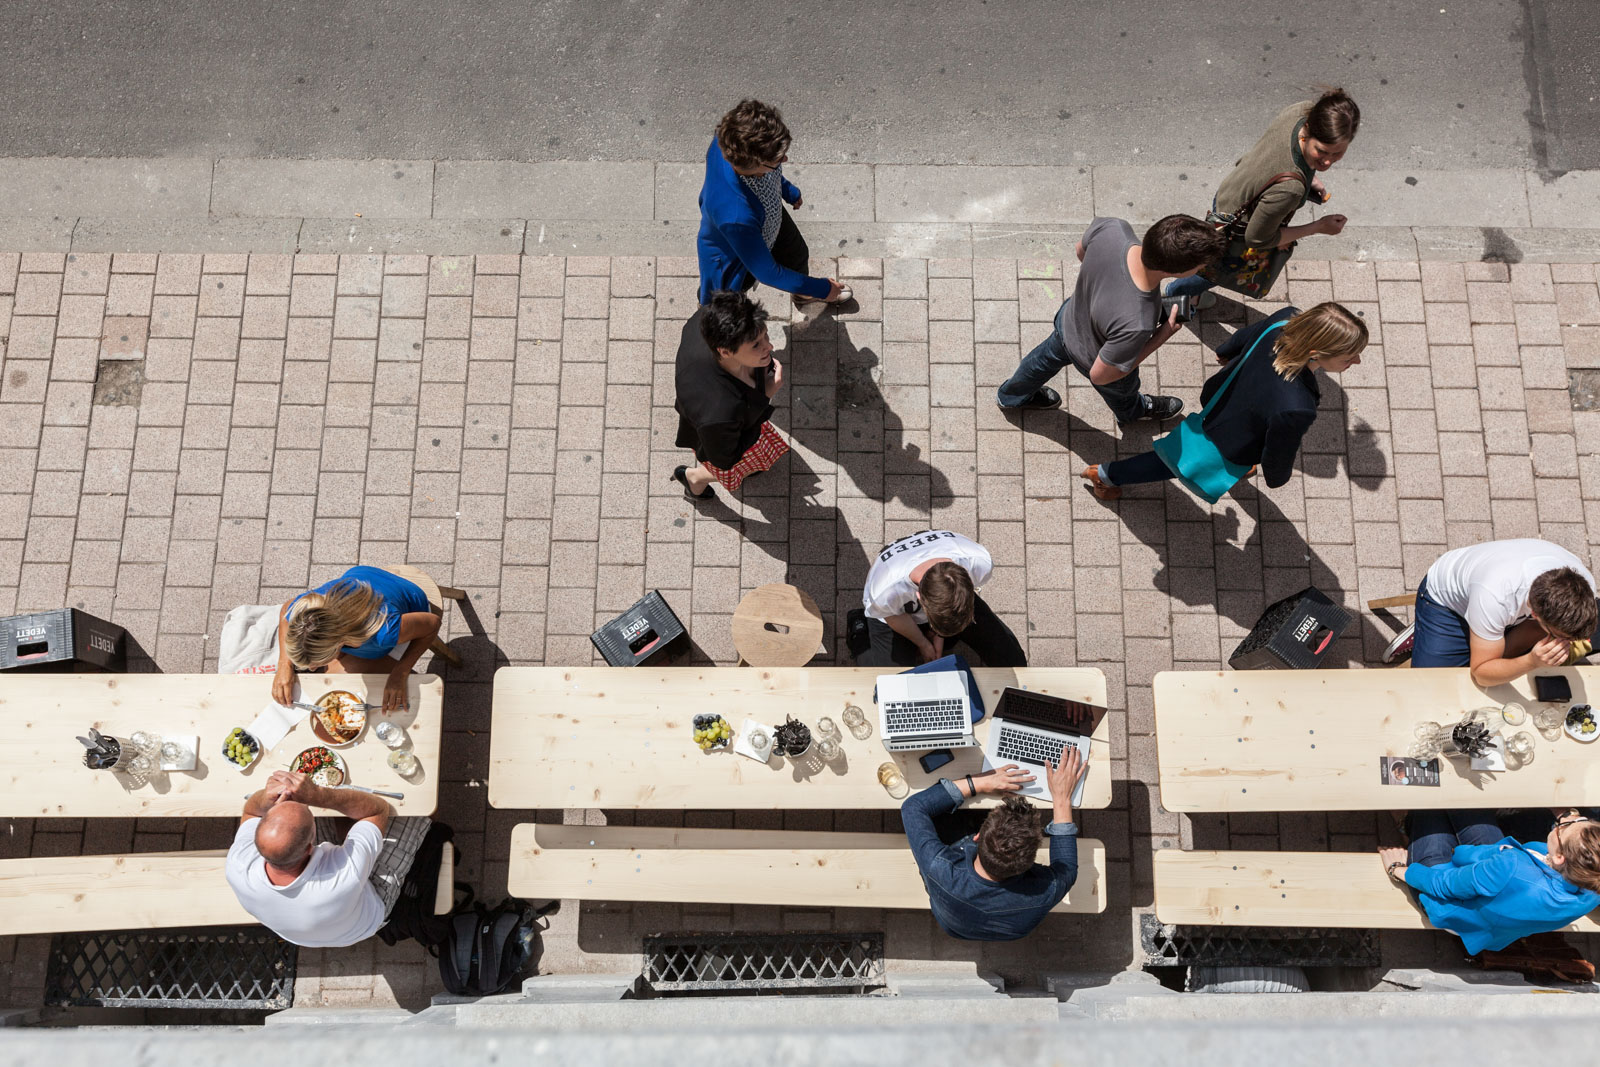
x=1491, y=889
x=745, y=234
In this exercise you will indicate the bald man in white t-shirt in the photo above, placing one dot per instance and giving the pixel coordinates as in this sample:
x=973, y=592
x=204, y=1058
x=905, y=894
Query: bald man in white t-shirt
x=922, y=597
x=1503, y=608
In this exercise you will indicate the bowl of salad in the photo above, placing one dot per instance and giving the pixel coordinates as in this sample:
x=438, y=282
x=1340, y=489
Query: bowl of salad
x=322, y=765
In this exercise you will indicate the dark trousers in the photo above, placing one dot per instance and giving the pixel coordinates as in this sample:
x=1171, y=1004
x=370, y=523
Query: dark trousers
x=989, y=638
x=790, y=250
x=1135, y=470
x=1047, y=360
x=1435, y=834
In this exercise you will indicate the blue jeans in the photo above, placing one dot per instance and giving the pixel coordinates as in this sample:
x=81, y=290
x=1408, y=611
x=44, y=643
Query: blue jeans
x=1191, y=286
x=1045, y=362
x=1441, y=635
x=1145, y=467
x=1435, y=834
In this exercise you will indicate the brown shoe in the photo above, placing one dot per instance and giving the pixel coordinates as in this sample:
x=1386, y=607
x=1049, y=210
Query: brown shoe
x=1100, y=489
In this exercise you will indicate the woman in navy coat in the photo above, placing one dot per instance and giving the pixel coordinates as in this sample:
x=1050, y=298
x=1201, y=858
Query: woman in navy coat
x=1272, y=402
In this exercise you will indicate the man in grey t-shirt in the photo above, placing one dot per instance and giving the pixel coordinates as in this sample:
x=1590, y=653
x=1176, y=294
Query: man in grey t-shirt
x=1112, y=323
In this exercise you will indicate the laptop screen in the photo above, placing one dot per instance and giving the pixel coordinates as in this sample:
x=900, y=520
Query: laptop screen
x=1048, y=712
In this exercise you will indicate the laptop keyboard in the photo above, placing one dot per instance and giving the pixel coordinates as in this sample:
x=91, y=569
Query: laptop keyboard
x=944, y=716
x=1021, y=747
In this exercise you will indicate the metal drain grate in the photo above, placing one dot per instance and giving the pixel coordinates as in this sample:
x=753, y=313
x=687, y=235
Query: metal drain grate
x=763, y=962
x=1256, y=946
x=209, y=968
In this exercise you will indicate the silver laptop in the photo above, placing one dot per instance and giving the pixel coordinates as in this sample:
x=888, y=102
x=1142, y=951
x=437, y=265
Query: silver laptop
x=923, y=711
x=1032, y=729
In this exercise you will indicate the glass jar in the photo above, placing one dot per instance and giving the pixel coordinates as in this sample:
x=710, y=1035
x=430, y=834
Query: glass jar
x=1513, y=714
x=855, y=720
x=890, y=778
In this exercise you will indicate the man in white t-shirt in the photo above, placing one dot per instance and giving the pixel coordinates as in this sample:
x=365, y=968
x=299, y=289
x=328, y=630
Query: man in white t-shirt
x=317, y=895
x=1503, y=608
x=922, y=596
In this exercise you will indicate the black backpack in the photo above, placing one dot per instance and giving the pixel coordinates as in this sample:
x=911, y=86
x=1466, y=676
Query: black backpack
x=486, y=948
x=412, y=916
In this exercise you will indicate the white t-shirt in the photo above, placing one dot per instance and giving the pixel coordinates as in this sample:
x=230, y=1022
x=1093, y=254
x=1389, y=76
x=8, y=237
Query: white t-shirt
x=890, y=590
x=330, y=905
x=1488, y=584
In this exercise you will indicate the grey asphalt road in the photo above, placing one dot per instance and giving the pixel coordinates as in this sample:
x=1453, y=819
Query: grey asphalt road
x=1443, y=83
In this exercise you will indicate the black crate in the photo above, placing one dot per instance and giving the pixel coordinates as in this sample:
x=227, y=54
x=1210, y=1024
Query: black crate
x=64, y=640
x=1293, y=634
x=647, y=633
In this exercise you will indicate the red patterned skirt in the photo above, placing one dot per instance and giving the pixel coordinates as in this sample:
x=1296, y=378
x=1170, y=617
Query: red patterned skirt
x=768, y=449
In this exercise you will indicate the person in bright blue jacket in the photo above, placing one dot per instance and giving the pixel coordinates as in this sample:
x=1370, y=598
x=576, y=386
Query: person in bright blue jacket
x=745, y=234
x=1491, y=889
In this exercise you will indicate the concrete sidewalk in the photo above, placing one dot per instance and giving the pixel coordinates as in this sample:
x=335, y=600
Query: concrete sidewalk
x=649, y=209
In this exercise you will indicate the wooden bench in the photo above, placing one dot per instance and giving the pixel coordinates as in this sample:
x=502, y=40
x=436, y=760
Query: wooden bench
x=773, y=867
x=140, y=891
x=1212, y=888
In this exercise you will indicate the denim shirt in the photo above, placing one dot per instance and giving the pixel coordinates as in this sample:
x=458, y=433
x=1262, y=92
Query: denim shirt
x=974, y=908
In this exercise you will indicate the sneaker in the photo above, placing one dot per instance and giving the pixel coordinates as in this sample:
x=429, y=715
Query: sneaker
x=1101, y=491
x=1160, y=409
x=1205, y=301
x=1044, y=399
x=1400, y=647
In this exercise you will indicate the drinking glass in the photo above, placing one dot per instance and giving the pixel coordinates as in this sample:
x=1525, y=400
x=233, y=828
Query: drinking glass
x=828, y=749
x=390, y=734
x=856, y=722
x=403, y=762
x=826, y=727
x=1514, y=714
x=890, y=778
x=1548, y=721
x=1428, y=742
x=171, y=752
x=760, y=740
x=1519, y=749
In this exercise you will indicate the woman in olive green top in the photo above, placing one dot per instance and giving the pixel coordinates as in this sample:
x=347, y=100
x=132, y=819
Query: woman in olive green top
x=1303, y=139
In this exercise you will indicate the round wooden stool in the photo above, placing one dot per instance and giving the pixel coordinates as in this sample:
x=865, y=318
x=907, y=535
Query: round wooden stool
x=777, y=626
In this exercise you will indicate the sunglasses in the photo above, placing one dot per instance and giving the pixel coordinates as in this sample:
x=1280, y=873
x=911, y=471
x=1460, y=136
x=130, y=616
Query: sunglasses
x=1568, y=820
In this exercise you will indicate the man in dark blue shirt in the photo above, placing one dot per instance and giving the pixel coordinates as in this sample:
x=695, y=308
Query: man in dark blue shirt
x=988, y=887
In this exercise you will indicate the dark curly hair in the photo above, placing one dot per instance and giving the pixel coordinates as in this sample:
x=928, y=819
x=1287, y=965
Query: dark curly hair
x=752, y=134
x=730, y=320
x=1009, y=839
x=1564, y=602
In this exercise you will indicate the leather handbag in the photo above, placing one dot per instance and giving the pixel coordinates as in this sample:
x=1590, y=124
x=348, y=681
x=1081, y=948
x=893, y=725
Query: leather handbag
x=1189, y=453
x=1242, y=269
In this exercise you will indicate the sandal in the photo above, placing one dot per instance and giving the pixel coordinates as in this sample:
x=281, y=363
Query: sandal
x=681, y=476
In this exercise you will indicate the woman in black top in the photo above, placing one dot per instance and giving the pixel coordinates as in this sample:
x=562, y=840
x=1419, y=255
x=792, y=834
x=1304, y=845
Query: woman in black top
x=726, y=378
x=1270, y=405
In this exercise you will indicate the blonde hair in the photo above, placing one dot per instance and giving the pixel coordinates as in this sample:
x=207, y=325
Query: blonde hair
x=1581, y=852
x=1329, y=329
x=321, y=624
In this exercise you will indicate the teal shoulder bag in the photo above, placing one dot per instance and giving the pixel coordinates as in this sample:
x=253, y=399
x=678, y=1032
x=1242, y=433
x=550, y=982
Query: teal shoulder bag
x=1190, y=455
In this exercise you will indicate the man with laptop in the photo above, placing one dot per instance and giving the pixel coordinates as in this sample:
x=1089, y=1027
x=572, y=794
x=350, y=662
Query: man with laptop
x=988, y=887
x=922, y=596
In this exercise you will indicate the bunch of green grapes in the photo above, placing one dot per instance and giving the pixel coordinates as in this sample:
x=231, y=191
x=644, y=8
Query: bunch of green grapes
x=711, y=731
x=240, y=747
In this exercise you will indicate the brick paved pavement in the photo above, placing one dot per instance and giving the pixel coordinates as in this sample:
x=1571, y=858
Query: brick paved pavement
x=505, y=423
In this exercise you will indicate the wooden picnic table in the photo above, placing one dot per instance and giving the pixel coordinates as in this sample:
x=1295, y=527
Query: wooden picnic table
x=1311, y=741
x=620, y=737
x=41, y=765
